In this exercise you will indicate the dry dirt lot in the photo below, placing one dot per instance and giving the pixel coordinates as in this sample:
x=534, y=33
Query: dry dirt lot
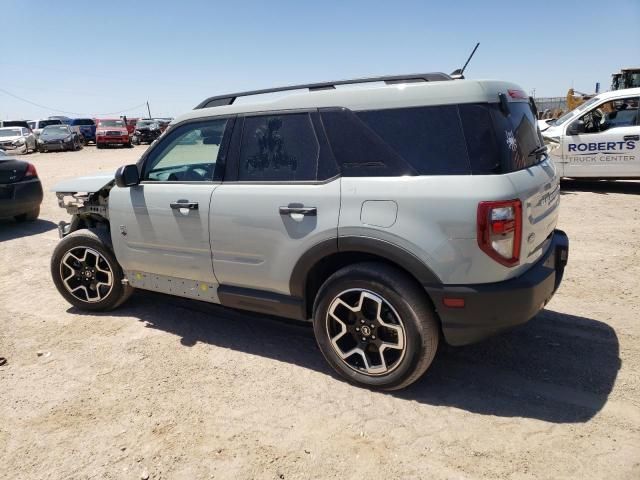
x=175, y=389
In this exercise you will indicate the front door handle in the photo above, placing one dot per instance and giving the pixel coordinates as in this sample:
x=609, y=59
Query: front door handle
x=626, y=138
x=310, y=211
x=178, y=205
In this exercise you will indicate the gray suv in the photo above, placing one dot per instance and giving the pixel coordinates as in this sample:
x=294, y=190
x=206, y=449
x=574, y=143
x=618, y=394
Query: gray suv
x=392, y=212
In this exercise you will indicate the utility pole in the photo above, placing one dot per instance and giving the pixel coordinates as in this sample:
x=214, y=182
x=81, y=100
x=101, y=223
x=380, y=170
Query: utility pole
x=148, y=109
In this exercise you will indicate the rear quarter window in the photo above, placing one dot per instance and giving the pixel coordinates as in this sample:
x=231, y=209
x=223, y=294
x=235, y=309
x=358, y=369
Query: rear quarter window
x=430, y=139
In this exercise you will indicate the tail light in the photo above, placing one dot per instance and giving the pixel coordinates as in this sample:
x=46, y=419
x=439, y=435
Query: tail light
x=31, y=171
x=500, y=230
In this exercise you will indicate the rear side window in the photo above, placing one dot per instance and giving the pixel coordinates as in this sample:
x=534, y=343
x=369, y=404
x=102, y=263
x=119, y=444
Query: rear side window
x=278, y=148
x=430, y=139
x=82, y=121
x=359, y=151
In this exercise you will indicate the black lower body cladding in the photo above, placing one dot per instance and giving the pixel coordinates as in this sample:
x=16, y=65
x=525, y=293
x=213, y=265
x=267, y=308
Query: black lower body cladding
x=495, y=307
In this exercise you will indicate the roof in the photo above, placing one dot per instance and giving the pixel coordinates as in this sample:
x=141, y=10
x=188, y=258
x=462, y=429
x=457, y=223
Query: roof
x=624, y=92
x=366, y=97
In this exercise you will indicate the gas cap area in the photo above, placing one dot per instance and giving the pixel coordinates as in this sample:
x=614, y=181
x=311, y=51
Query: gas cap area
x=379, y=213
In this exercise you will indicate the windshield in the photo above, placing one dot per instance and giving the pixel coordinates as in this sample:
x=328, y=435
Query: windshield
x=55, y=130
x=46, y=123
x=111, y=123
x=145, y=123
x=10, y=132
x=579, y=109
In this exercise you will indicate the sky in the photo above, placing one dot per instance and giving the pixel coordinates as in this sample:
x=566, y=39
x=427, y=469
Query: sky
x=110, y=57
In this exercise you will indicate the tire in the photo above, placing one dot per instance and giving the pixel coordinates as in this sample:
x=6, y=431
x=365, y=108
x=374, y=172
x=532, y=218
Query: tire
x=99, y=145
x=93, y=288
x=30, y=216
x=409, y=325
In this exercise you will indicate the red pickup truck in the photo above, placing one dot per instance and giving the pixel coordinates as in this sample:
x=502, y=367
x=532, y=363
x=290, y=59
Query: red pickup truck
x=112, y=131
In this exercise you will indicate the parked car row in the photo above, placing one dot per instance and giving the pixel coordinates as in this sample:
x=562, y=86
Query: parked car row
x=63, y=133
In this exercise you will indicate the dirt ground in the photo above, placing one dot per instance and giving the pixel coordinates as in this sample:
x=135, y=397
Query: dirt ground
x=175, y=389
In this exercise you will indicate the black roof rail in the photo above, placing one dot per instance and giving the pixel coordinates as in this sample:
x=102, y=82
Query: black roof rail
x=229, y=98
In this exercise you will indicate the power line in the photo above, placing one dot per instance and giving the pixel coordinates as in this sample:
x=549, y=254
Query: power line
x=64, y=111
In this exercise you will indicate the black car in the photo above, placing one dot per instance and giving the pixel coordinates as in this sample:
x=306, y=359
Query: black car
x=59, y=137
x=147, y=130
x=20, y=189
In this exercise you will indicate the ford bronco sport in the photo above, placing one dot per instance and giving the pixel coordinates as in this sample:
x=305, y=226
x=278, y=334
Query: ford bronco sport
x=410, y=209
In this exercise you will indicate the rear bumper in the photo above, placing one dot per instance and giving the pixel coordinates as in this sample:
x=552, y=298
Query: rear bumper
x=23, y=197
x=494, y=307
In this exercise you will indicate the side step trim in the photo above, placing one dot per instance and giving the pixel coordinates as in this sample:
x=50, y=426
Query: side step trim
x=261, y=301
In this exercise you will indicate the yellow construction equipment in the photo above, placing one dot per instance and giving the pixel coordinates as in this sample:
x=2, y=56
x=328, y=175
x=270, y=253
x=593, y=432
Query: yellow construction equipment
x=625, y=78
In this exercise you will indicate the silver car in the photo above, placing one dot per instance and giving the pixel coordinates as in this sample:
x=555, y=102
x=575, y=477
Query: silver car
x=38, y=125
x=17, y=139
x=407, y=211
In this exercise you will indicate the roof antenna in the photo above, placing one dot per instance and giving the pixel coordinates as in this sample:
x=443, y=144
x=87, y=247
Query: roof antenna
x=459, y=73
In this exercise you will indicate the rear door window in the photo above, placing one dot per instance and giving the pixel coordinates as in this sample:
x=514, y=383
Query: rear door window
x=279, y=148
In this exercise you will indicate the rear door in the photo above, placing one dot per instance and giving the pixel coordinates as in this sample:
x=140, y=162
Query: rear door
x=160, y=228
x=277, y=201
x=609, y=145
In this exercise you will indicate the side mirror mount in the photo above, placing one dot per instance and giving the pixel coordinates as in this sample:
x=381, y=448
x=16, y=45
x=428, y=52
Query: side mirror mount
x=127, y=176
x=576, y=128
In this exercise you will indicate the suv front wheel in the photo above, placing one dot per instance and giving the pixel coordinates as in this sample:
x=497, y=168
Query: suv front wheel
x=86, y=273
x=375, y=326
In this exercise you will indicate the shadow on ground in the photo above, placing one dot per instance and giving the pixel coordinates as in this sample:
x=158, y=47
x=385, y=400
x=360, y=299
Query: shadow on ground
x=558, y=368
x=603, y=187
x=10, y=229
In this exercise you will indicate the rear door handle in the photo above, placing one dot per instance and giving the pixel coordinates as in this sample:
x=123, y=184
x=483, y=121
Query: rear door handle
x=626, y=138
x=310, y=211
x=179, y=205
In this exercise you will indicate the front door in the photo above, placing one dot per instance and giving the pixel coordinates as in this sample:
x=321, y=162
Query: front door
x=609, y=143
x=160, y=228
x=278, y=204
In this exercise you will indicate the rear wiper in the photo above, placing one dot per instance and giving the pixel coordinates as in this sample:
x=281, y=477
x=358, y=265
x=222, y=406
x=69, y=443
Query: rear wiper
x=538, y=151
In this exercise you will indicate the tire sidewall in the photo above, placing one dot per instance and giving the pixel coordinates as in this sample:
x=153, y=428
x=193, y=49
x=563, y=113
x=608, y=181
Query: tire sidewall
x=414, y=331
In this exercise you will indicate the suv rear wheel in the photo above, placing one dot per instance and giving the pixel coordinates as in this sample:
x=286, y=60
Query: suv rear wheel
x=375, y=326
x=86, y=273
